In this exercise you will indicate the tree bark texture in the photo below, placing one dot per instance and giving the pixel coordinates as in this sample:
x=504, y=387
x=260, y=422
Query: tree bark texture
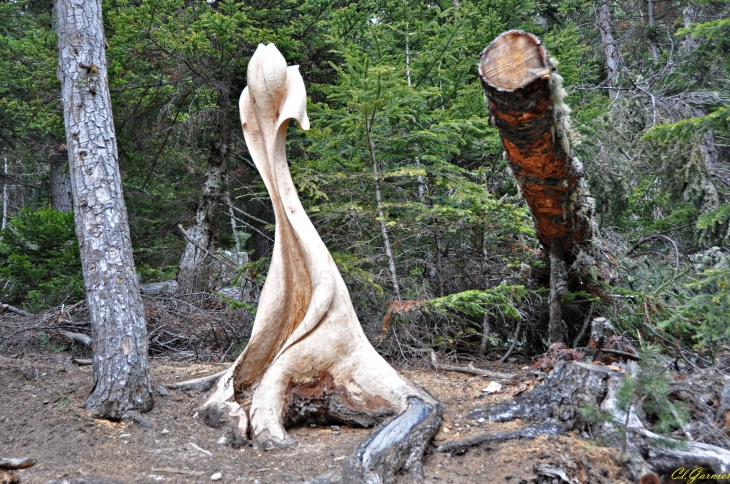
x=308, y=358
x=525, y=98
x=195, y=269
x=120, y=368
x=4, y=222
x=610, y=49
x=61, y=198
x=558, y=287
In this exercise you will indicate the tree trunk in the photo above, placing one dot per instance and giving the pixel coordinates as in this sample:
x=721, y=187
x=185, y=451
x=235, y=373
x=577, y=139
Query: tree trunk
x=120, y=368
x=558, y=287
x=195, y=269
x=525, y=98
x=308, y=358
x=652, y=30
x=61, y=199
x=4, y=222
x=379, y=203
x=610, y=50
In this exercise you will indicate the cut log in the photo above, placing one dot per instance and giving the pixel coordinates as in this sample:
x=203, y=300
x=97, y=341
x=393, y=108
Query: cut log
x=78, y=338
x=525, y=97
x=308, y=358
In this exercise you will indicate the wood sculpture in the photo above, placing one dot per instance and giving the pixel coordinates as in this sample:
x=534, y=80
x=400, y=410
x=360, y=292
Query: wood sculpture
x=308, y=358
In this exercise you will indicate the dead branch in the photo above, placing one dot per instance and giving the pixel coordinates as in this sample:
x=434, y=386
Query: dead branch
x=470, y=369
x=13, y=309
x=647, y=238
x=514, y=342
x=202, y=384
x=78, y=338
x=220, y=259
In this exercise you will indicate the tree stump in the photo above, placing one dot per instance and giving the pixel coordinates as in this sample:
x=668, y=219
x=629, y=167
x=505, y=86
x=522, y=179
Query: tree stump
x=555, y=405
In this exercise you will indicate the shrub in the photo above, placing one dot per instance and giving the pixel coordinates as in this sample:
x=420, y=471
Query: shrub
x=40, y=265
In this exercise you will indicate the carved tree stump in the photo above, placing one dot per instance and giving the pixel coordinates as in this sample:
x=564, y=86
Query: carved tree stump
x=308, y=358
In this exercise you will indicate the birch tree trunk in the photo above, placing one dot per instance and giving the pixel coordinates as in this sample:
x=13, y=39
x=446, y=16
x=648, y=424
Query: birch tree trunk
x=195, y=269
x=308, y=358
x=119, y=332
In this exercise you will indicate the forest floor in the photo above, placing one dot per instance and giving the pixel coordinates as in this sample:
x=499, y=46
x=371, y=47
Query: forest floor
x=42, y=416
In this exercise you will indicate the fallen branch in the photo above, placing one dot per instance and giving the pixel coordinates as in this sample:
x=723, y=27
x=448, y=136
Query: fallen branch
x=82, y=361
x=202, y=384
x=470, y=369
x=78, y=338
x=13, y=309
x=514, y=343
x=200, y=449
x=171, y=470
x=529, y=432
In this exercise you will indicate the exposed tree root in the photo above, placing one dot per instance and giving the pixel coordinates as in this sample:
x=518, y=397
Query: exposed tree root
x=529, y=432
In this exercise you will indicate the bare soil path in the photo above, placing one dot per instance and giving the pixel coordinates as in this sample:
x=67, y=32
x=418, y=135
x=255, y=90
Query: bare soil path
x=41, y=416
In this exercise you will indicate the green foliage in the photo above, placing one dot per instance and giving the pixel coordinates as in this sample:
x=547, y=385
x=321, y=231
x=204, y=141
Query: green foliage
x=146, y=273
x=705, y=310
x=39, y=259
x=499, y=301
x=48, y=344
x=648, y=391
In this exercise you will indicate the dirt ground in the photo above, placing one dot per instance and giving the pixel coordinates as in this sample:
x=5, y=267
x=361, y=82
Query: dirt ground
x=41, y=416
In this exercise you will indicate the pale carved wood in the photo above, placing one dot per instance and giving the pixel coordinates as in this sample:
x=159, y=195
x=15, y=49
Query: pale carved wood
x=308, y=358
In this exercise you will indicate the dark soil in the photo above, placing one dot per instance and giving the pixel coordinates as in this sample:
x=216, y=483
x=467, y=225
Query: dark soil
x=42, y=416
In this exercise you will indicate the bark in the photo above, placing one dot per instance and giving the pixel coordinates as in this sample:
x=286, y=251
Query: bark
x=652, y=30
x=525, y=98
x=379, y=204
x=689, y=16
x=119, y=333
x=610, y=49
x=194, y=274
x=5, y=194
x=61, y=198
x=558, y=287
x=308, y=358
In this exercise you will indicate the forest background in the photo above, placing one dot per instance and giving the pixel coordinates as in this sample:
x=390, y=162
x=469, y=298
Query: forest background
x=401, y=171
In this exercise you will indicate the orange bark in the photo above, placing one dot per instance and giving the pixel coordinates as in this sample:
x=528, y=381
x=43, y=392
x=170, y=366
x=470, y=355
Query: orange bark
x=525, y=103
